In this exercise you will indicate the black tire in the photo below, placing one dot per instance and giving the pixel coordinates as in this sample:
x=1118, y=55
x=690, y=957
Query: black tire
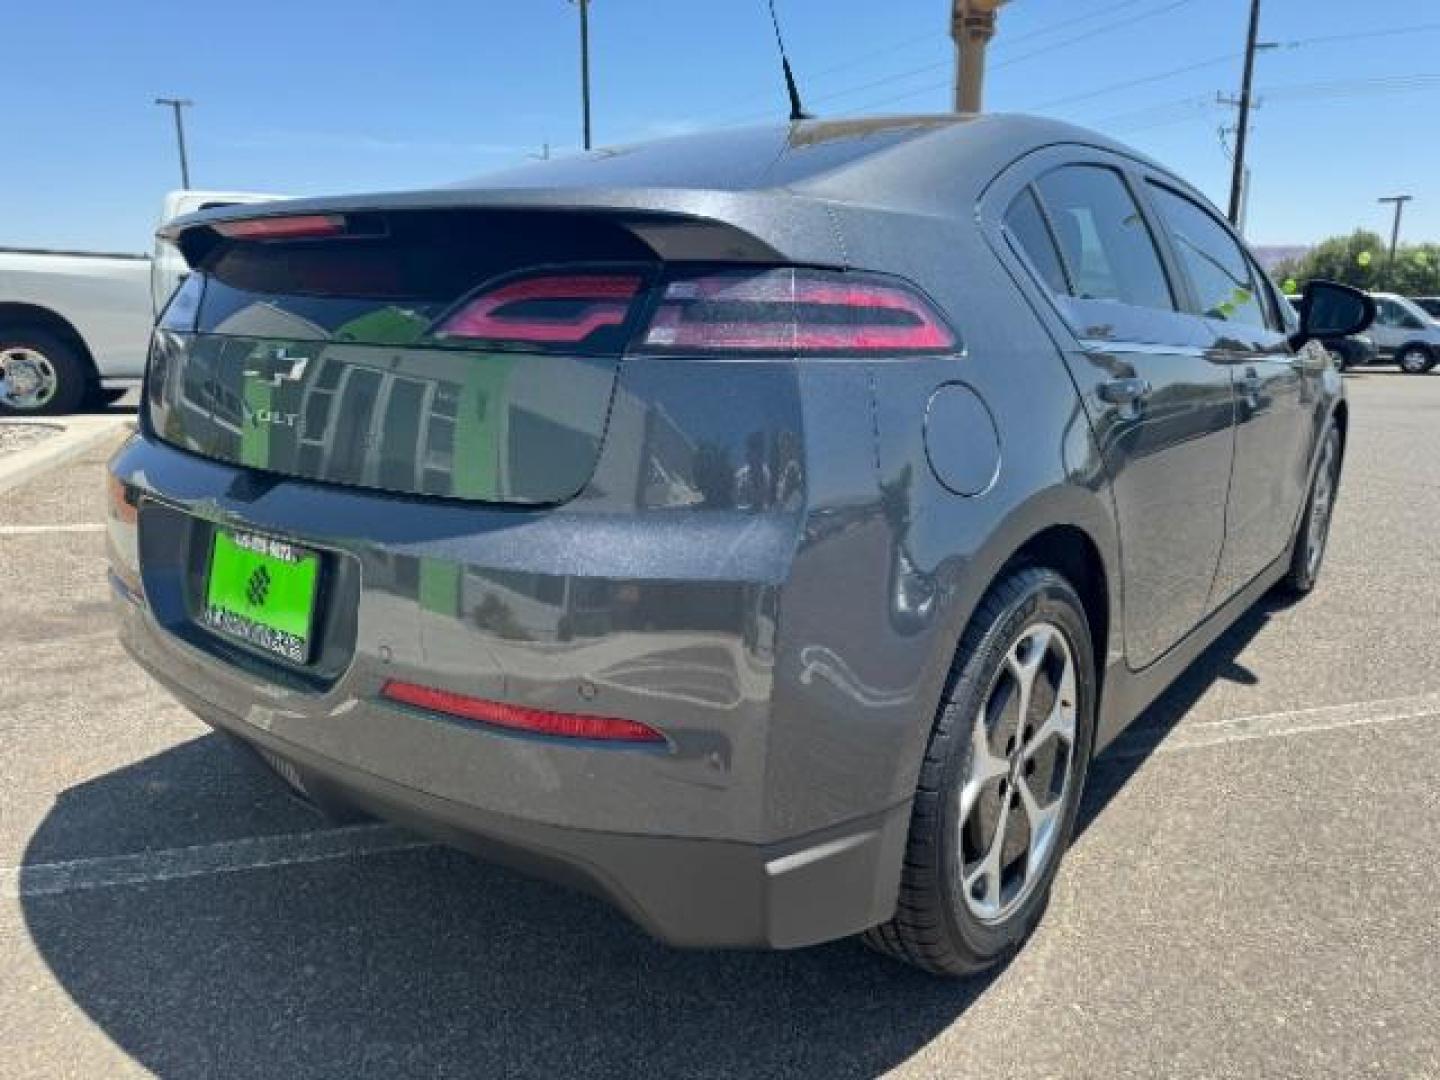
x=934, y=926
x=1415, y=359
x=1305, y=559
x=71, y=372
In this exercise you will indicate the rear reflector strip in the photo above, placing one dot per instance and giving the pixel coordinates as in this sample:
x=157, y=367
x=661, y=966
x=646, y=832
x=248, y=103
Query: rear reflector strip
x=548, y=309
x=797, y=311
x=297, y=227
x=519, y=717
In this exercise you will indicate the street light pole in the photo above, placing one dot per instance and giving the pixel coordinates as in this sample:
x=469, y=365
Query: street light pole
x=177, y=104
x=1237, y=179
x=585, y=66
x=1399, y=201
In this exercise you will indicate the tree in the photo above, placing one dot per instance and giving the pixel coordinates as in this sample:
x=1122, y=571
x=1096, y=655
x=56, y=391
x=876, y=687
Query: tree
x=1361, y=260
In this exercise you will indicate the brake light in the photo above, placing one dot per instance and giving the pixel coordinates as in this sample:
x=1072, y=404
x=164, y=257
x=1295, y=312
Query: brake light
x=546, y=309
x=295, y=227
x=795, y=311
x=519, y=717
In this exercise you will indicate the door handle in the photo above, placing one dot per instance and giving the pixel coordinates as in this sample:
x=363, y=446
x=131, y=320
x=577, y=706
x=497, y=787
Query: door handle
x=1124, y=391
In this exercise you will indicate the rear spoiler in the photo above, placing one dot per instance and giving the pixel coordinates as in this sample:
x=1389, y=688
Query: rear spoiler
x=677, y=224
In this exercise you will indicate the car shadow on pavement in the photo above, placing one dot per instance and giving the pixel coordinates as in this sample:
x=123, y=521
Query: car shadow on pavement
x=1220, y=663
x=426, y=962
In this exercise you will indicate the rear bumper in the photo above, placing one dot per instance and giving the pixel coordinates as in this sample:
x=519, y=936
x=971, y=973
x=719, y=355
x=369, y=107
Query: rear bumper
x=775, y=813
x=683, y=890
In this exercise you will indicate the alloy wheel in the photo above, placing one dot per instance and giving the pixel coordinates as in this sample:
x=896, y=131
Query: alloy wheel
x=27, y=378
x=1322, y=505
x=1013, y=801
x=1414, y=361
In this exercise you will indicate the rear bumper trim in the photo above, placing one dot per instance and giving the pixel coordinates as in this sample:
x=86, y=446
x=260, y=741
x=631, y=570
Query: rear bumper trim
x=687, y=892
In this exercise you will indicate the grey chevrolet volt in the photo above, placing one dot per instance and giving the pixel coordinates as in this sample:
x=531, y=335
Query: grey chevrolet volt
x=761, y=529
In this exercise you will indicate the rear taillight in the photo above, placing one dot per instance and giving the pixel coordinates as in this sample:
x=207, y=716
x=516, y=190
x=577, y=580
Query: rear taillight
x=796, y=311
x=294, y=227
x=546, y=309
x=519, y=717
x=781, y=310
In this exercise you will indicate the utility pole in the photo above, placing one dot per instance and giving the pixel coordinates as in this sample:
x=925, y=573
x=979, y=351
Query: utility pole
x=1232, y=129
x=585, y=66
x=972, y=25
x=1237, y=179
x=1399, y=201
x=177, y=104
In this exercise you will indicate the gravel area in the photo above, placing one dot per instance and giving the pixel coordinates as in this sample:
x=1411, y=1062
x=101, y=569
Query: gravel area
x=23, y=436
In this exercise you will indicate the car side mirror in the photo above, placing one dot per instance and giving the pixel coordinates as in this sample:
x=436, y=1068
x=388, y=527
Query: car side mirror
x=1329, y=309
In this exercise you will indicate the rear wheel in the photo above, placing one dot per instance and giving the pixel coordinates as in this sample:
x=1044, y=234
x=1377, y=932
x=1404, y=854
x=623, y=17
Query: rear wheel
x=40, y=374
x=1415, y=360
x=1001, y=781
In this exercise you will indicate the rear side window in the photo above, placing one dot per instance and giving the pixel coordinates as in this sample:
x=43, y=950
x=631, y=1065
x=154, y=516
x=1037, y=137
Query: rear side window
x=1105, y=243
x=1224, y=282
x=1026, y=225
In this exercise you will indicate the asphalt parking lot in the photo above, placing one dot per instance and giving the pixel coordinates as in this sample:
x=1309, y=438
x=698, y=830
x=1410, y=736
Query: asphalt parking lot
x=1255, y=891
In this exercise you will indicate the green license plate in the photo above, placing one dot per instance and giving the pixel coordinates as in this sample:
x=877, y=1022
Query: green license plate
x=262, y=592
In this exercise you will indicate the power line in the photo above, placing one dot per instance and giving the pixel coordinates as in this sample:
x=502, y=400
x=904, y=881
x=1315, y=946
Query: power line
x=1095, y=32
x=1327, y=39
x=1180, y=110
x=1001, y=50
x=873, y=54
x=1130, y=83
x=1006, y=62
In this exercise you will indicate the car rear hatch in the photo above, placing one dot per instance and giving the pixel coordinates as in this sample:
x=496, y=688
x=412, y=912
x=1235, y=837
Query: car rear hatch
x=457, y=352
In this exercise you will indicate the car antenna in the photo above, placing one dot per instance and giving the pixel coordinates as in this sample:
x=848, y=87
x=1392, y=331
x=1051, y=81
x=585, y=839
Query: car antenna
x=797, y=111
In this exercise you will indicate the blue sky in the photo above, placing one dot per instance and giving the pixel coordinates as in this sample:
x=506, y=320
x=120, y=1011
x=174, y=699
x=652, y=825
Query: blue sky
x=325, y=96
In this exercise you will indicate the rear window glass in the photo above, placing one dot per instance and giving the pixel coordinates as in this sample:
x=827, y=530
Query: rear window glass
x=387, y=285
x=1103, y=238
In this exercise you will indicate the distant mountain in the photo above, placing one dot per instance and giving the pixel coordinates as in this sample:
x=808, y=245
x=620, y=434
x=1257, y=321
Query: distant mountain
x=1270, y=255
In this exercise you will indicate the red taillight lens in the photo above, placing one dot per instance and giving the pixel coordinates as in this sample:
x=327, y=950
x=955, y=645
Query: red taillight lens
x=795, y=311
x=296, y=227
x=519, y=717
x=546, y=309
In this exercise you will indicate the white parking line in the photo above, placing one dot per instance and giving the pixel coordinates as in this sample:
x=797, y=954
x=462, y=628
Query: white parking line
x=32, y=530
x=225, y=857
x=323, y=845
x=1283, y=724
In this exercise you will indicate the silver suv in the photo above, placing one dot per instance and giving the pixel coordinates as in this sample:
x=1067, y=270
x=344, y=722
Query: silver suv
x=1405, y=332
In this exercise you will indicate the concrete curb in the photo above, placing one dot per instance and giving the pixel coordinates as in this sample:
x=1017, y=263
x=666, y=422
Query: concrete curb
x=80, y=434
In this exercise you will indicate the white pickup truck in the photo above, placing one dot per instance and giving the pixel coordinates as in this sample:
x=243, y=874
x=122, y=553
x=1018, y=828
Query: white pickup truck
x=75, y=326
